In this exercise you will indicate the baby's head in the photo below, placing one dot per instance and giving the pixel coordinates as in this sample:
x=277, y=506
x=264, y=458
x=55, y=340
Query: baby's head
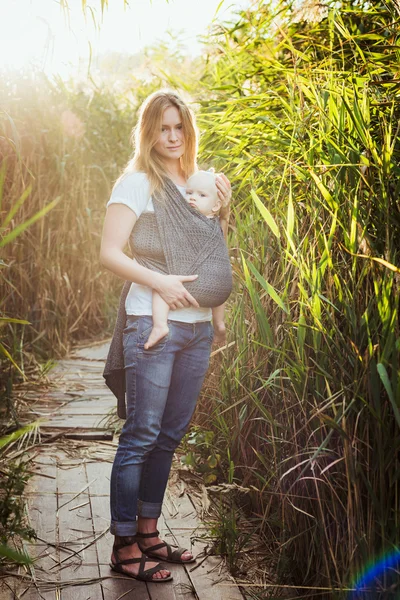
x=202, y=193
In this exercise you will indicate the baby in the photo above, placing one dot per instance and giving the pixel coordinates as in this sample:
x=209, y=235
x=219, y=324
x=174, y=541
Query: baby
x=202, y=195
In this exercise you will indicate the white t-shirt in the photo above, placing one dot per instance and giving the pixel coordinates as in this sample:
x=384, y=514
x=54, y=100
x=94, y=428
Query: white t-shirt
x=134, y=191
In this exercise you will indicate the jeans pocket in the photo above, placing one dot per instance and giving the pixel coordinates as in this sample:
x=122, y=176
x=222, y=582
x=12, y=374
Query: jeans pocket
x=144, y=336
x=131, y=326
x=145, y=333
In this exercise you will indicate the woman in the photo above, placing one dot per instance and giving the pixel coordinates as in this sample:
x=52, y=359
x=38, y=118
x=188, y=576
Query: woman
x=163, y=382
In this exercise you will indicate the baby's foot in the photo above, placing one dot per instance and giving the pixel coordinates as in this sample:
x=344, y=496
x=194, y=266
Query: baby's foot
x=156, y=334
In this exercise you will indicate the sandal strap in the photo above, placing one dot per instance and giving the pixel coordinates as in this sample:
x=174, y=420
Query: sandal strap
x=148, y=572
x=142, y=560
x=171, y=554
x=120, y=546
x=177, y=554
x=143, y=574
x=155, y=547
x=128, y=561
x=147, y=535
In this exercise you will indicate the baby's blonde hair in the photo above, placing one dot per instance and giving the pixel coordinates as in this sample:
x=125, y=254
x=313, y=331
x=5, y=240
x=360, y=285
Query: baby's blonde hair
x=200, y=172
x=212, y=175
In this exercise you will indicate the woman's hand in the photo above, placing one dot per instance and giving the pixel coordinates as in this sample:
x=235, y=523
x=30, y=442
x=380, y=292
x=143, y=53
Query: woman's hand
x=174, y=293
x=225, y=194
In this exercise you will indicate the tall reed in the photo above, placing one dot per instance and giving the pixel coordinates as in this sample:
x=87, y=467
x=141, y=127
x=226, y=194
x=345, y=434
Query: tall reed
x=305, y=118
x=67, y=143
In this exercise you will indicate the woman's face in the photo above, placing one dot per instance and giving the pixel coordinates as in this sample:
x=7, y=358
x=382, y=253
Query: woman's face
x=171, y=143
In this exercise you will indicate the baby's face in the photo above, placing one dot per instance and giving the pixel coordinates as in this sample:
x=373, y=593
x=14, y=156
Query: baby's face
x=202, y=194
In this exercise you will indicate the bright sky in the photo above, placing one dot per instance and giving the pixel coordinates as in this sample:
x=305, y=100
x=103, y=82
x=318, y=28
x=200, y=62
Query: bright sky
x=36, y=31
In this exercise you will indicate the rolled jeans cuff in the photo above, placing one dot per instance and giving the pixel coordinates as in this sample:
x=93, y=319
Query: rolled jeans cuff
x=123, y=529
x=150, y=510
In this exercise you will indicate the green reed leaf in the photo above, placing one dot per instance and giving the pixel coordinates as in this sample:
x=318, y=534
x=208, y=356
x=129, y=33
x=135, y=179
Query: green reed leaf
x=268, y=288
x=383, y=374
x=18, y=557
x=266, y=214
x=14, y=233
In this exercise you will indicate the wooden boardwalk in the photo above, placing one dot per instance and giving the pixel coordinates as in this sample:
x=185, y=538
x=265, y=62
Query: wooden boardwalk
x=68, y=504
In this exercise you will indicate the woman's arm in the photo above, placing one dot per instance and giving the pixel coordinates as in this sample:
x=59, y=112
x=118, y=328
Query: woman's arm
x=225, y=195
x=118, y=224
x=218, y=312
x=224, y=222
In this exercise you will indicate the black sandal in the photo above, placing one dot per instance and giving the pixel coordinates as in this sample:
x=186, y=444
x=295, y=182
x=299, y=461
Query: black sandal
x=143, y=575
x=174, y=556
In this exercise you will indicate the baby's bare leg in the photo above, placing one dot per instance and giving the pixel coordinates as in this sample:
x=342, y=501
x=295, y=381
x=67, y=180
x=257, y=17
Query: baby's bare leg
x=218, y=316
x=160, y=325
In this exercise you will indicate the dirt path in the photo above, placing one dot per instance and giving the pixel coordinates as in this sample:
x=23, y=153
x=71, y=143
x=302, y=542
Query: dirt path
x=68, y=503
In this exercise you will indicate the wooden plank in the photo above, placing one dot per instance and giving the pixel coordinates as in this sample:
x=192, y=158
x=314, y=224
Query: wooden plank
x=91, y=397
x=77, y=433
x=75, y=374
x=42, y=511
x=101, y=520
x=180, y=588
x=206, y=575
x=96, y=392
x=97, y=364
x=78, y=372
x=100, y=473
x=77, y=421
x=78, y=363
x=84, y=591
x=77, y=532
x=92, y=404
x=9, y=588
x=45, y=477
x=42, y=515
x=12, y=588
x=76, y=527
x=36, y=592
x=79, y=407
x=93, y=352
x=71, y=476
x=115, y=585
x=87, y=409
x=45, y=558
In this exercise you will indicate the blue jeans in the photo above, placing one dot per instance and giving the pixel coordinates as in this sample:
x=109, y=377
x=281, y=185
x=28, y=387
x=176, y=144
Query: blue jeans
x=162, y=387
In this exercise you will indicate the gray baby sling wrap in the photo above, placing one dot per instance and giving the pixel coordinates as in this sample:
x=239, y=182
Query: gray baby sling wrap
x=175, y=239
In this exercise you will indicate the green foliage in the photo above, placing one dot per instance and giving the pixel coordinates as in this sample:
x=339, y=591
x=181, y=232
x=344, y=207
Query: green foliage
x=227, y=537
x=303, y=117
x=11, y=506
x=12, y=517
x=14, y=477
x=199, y=454
x=17, y=557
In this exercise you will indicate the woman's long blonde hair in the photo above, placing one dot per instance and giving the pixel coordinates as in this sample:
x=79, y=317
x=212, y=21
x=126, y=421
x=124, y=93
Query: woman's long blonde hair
x=147, y=131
